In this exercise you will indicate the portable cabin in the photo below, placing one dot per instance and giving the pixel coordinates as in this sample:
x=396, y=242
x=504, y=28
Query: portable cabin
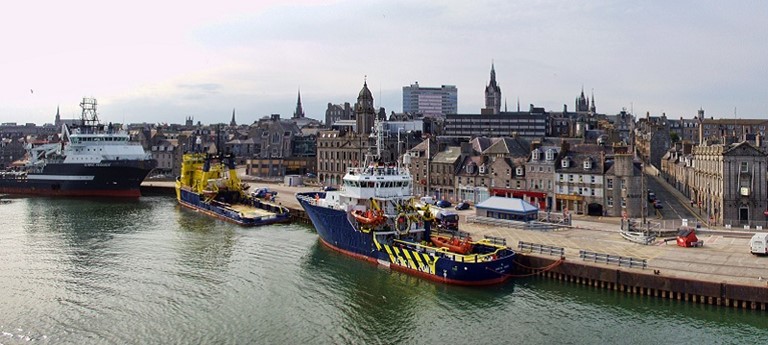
x=758, y=245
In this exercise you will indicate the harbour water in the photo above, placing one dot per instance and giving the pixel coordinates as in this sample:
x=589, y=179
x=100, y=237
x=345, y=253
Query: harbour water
x=149, y=272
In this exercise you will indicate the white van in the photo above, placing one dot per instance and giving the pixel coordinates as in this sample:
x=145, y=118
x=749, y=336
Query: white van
x=427, y=200
x=758, y=245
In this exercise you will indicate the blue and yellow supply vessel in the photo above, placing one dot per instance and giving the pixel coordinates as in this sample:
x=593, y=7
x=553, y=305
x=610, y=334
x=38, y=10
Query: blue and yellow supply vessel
x=209, y=184
x=372, y=217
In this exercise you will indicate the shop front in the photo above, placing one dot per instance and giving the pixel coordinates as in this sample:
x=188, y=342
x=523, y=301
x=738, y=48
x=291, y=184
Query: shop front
x=573, y=203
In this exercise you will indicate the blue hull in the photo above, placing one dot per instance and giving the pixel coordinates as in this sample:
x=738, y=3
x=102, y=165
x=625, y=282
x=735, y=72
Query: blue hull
x=336, y=231
x=222, y=210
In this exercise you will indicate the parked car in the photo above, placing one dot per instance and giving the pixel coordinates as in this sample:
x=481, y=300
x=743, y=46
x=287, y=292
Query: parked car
x=311, y=175
x=651, y=196
x=658, y=204
x=263, y=193
x=443, y=203
x=462, y=206
x=329, y=188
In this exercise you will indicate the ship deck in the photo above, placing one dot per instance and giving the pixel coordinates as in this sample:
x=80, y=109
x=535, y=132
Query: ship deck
x=250, y=211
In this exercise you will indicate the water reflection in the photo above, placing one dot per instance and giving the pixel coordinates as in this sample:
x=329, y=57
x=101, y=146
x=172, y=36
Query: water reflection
x=204, y=243
x=80, y=220
x=381, y=305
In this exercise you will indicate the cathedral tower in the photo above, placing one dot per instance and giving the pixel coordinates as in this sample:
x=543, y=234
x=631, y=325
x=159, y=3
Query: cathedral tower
x=492, y=95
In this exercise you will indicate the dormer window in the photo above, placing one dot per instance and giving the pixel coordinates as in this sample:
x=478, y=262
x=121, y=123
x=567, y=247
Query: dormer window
x=535, y=155
x=550, y=155
x=587, y=164
x=565, y=162
x=482, y=169
x=471, y=168
x=519, y=171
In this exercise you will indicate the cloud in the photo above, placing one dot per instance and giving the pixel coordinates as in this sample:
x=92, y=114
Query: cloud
x=672, y=57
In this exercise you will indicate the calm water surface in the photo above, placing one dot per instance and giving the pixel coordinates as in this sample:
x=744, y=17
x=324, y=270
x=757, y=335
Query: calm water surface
x=149, y=272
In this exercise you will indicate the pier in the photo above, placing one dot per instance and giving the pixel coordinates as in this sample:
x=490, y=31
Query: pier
x=592, y=252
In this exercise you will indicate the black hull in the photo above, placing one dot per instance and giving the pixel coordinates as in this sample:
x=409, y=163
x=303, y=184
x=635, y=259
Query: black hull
x=106, y=179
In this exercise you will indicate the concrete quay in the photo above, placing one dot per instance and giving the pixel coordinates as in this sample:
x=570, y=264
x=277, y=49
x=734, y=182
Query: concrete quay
x=722, y=272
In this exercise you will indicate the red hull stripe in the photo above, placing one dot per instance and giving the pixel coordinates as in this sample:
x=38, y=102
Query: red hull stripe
x=419, y=273
x=124, y=193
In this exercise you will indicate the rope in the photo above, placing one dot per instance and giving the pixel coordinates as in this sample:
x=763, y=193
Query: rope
x=540, y=270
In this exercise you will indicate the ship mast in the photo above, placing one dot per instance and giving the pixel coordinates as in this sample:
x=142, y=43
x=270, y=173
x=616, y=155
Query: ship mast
x=89, y=117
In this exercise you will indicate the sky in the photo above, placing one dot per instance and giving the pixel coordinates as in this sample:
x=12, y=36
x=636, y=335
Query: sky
x=163, y=61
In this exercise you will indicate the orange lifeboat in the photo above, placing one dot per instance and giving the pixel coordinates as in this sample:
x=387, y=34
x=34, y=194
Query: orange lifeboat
x=368, y=217
x=453, y=244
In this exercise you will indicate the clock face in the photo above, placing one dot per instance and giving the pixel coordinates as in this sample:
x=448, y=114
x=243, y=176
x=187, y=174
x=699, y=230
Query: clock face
x=744, y=191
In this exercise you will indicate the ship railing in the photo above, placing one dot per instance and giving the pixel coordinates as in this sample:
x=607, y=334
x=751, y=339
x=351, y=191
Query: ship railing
x=446, y=253
x=468, y=258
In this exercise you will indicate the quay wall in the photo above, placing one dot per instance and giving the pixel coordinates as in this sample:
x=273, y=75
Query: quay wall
x=646, y=282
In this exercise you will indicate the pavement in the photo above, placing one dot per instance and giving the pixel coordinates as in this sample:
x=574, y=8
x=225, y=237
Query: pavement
x=725, y=256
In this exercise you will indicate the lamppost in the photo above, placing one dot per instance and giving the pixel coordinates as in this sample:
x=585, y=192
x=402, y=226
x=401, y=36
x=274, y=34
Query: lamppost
x=400, y=129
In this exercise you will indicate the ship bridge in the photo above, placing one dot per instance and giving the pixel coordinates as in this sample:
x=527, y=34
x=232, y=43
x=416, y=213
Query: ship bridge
x=378, y=182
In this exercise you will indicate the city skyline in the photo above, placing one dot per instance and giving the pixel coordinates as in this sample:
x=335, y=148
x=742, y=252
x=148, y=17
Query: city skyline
x=164, y=62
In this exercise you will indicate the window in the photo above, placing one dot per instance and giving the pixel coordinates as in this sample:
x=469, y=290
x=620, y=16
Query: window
x=587, y=164
x=609, y=183
x=623, y=203
x=535, y=155
x=744, y=167
x=564, y=162
x=550, y=155
x=570, y=178
x=592, y=178
x=519, y=171
x=561, y=177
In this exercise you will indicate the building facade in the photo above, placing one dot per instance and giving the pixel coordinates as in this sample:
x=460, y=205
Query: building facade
x=430, y=101
x=729, y=183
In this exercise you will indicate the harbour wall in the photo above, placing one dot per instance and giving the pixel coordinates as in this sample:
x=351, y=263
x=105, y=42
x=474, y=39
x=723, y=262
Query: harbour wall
x=646, y=282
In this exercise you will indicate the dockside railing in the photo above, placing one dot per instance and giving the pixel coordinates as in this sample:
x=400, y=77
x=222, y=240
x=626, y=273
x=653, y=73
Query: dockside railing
x=540, y=248
x=613, y=259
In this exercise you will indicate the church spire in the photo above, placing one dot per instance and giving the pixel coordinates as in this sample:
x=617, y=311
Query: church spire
x=232, y=122
x=492, y=94
x=299, y=113
x=493, y=74
x=592, y=108
x=57, y=121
